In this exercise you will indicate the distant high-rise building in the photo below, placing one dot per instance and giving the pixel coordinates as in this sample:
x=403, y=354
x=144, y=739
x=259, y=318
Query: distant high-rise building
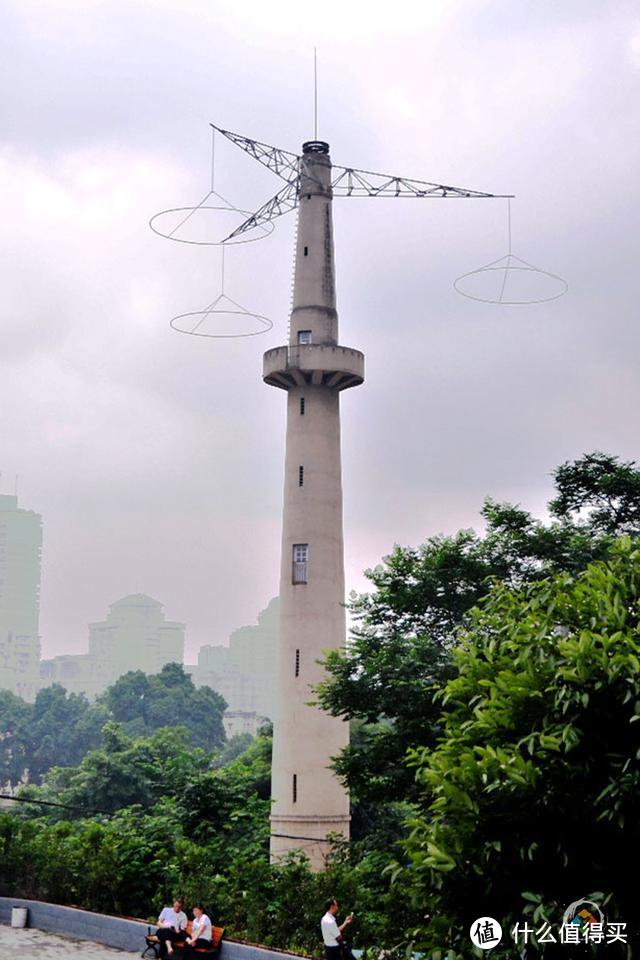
x=134, y=636
x=20, y=547
x=244, y=672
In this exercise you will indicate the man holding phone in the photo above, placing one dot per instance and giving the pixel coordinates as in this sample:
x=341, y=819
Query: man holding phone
x=335, y=947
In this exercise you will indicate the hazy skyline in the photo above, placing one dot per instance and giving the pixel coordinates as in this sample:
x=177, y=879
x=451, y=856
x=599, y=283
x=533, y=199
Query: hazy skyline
x=156, y=459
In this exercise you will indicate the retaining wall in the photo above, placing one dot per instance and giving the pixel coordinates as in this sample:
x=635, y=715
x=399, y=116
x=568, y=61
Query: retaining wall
x=114, y=931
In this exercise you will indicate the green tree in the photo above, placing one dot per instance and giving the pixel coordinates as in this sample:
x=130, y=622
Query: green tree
x=534, y=791
x=145, y=703
x=127, y=771
x=399, y=654
x=57, y=729
x=603, y=486
x=15, y=716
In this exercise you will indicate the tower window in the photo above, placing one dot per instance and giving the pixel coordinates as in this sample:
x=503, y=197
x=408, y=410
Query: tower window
x=297, y=672
x=302, y=406
x=300, y=563
x=306, y=251
x=300, y=476
x=304, y=336
x=295, y=788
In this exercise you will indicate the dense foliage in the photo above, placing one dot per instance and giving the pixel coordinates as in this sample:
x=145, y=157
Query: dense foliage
x=533, y=793
x=144, y=703
x=196, y=828
x=59, y=728
x=400, y=651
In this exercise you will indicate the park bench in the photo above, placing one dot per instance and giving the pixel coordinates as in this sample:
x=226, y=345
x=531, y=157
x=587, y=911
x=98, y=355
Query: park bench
x=152, y=948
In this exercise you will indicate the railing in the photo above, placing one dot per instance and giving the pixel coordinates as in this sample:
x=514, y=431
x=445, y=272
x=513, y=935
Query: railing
x=298, y=353
x=300, y=571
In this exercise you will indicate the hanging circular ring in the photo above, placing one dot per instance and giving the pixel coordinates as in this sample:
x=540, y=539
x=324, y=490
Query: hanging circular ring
x=266, y=228
x=264, y=323
x=505, y=266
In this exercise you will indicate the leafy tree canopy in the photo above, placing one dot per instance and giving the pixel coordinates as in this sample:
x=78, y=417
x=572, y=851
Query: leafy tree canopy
x=534, y=791
x=126, y=771
x=57, y=729
x=144, y=703
x=400, y=650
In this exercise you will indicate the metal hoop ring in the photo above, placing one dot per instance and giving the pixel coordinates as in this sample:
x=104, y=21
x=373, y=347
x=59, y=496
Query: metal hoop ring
x=265, y=323
x=267, y=227
x=506, y=268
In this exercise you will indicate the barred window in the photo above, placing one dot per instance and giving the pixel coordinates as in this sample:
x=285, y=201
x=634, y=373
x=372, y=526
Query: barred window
x=300, y=562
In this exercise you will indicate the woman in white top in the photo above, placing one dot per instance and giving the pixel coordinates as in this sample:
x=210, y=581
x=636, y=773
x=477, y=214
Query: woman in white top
x=200, y=930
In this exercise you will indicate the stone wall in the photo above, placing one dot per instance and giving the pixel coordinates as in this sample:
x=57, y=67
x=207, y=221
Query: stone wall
x=114, y=931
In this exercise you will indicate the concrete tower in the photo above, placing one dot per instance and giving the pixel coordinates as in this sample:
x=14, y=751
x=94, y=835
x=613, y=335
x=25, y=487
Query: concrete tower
x=309, y=801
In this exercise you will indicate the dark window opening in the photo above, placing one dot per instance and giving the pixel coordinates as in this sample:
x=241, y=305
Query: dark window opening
x=300, y=476
x=295, y=787
x=308, y=196
x=302, y=406
x=306, y=251
x=297, y=663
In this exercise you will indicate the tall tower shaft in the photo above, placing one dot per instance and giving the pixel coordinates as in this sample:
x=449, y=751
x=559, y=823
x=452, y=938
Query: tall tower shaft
x=309, y=802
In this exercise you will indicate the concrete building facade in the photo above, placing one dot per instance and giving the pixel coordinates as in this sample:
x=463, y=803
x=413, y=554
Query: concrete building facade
x=20, y=558
x=309, y=801
x=244, y=672
x=134, y=636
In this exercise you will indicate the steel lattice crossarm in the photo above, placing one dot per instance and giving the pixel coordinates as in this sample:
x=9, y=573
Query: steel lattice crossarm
x=282, y=162
x=345, y=182
x=363, y=183
x=283, y=202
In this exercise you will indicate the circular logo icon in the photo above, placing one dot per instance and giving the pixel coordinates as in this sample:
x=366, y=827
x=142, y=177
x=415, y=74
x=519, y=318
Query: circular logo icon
x=583, y=912
x=485, y=933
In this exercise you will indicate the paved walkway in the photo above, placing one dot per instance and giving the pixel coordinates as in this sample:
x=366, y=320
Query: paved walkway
x=37, y=945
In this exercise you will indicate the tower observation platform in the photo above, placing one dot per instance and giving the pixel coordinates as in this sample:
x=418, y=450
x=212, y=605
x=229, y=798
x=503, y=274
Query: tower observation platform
x=309, y=802
x=319, y=364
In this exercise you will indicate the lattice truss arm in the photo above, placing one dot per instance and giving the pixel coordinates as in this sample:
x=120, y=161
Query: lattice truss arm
x=284, y=201
x=346, y=182
x=282, y=162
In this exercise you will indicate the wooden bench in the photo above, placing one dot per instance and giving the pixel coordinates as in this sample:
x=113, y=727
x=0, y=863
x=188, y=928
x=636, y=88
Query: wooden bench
x=207, y=953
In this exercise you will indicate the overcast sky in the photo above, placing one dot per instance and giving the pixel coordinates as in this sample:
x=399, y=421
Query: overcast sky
x=155, y=458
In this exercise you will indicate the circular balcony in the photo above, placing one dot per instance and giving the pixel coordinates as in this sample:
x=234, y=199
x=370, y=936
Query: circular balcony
x=313, y=363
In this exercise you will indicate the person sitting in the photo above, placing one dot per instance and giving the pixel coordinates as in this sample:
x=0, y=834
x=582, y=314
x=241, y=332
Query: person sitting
x=171, y=922
x=200, y=930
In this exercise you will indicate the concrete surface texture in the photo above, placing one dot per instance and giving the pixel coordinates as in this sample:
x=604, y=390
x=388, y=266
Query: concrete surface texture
x=309, y=801
x=37, y=945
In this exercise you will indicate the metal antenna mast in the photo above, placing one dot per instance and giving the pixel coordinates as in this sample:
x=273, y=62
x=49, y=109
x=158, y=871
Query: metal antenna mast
x=315, y=93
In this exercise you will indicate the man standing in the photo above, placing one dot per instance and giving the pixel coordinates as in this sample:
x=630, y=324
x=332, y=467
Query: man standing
x=332, y=933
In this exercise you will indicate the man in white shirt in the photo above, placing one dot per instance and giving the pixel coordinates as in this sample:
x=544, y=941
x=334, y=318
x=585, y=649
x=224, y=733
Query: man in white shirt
x=171, y=922
x=331, y=932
